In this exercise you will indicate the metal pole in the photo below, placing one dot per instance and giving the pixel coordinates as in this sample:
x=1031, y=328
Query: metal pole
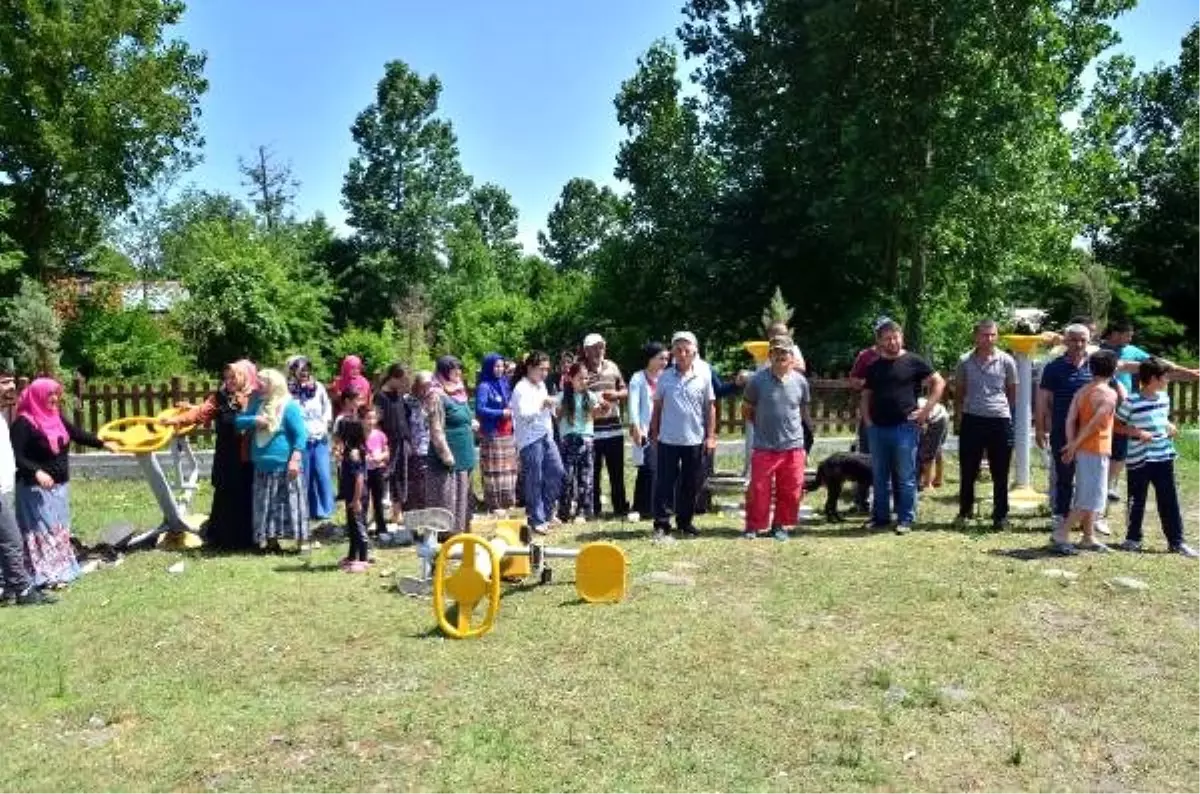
x=1021, y=420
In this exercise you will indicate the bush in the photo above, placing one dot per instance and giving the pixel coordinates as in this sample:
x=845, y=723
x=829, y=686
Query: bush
x=133, y=343
x=377, y=349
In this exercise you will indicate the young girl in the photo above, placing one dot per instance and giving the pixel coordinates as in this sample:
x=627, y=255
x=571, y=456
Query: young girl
x=533, y=418
x=576, y=431
x=378, y=454
x=348, y=404
x=352, y=489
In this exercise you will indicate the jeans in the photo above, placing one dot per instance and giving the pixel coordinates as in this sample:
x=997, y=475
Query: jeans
x=318, y=481
x=894, y=455
x=1063, y=490
x=1160, y=474
x=678, y=475
x=610, y=452
x=978, y=435
x=14, y=578
x=542, y=477
x=783, y=469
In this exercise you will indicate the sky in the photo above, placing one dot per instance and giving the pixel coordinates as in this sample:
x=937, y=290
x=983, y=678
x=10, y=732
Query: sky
x=527, y=84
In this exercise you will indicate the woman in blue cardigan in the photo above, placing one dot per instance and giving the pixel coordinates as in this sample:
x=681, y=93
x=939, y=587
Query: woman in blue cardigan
x=276, y=449
x=498, y=463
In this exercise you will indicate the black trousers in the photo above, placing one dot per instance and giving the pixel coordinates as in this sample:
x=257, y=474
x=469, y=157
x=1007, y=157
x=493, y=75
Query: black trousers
x=610, y=452
x=356, y=530
x=643, y=486
x=979, y=436
x=377, y=481
x=678, y=476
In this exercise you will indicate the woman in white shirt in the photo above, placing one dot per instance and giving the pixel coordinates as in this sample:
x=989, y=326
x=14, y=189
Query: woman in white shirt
x=641, y=405
x=533, y=426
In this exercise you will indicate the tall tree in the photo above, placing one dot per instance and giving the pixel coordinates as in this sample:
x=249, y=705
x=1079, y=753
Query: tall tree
x=583, y=218
x=271, y=186
x=96, y=102
x=494, y=213
x=402, y=187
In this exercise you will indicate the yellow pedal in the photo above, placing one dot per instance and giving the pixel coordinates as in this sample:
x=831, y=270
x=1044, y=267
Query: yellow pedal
x=600, y=573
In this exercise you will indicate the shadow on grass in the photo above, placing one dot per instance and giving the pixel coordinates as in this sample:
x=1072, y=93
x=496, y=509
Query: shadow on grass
x=307, y=566
x=1029, y=555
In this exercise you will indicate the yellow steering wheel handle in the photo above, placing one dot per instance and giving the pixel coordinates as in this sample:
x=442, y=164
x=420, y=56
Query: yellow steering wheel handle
x=171, y=413
x=136, y=434
x=466, y=586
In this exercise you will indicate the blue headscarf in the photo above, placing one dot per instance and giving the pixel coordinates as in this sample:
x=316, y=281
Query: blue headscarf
x=487, y=374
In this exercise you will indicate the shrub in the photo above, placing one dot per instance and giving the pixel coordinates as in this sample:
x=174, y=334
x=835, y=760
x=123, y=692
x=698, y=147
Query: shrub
x=29, y=330
x=126, y=343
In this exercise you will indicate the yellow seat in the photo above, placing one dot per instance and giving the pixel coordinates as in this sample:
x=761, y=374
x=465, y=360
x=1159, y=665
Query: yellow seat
x=466, y=586
x=600, y=573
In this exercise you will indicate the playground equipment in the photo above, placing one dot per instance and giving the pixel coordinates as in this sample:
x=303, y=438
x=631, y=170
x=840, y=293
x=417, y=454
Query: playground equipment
x=469, y=568
x=1022, y=496
x=144, y=436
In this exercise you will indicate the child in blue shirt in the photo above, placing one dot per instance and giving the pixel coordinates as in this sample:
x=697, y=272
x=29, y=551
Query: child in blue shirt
x=576, y=432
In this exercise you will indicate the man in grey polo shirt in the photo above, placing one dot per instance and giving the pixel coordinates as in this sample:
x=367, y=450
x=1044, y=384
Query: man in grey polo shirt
x=682, y=425
x=776, y=405
x=985, y=388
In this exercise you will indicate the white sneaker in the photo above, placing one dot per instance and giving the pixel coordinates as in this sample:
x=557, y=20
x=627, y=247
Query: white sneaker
x=1102, y=527
x=1185, y=550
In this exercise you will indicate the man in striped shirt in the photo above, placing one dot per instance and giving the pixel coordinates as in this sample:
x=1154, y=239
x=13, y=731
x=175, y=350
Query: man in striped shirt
x=1144, y=417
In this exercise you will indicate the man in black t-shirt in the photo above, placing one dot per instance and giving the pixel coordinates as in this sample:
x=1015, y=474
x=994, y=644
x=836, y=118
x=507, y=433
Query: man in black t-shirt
x=894, y=420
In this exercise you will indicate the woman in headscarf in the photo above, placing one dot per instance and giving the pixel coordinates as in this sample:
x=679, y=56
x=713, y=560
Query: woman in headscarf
x=641, y=403
x=451, y=443
x=276, y=449
x=41, y=440
x=350, y=379
x=317, y=411
x=416, y=406
x=229, y=526
x=392, y=408
x=498, y=462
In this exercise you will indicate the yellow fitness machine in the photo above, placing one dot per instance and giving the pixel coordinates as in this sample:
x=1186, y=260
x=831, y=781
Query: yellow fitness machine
x=143, y=437
x=468, y=568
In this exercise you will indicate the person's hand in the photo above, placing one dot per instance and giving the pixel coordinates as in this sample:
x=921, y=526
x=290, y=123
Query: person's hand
x=1172, y=430
x=1144, y=435
x=741, y=378
x=635, y=435
x=112, y=446
x=1039, y=438
x=506, y=413
x=43, y=479
x=920, y=416
x=474, y=425
x=293, y=468
x=262, y=422
x=1068, y=454
x=549, y=403
x=609, y=396
x=710, y=443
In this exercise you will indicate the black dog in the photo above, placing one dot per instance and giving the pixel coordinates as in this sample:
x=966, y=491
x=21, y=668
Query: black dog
x=838, y=468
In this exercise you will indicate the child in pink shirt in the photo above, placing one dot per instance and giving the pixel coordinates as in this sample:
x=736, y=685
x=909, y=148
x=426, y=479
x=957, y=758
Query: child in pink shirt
x=377, y=460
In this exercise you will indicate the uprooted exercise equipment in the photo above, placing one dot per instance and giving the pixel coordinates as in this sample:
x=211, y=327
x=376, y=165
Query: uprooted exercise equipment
x=144, y=437
x=469, y=568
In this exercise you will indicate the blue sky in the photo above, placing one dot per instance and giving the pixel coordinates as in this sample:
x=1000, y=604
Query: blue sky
x=528, y=84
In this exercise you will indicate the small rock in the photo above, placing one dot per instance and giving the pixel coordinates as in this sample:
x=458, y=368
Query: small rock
x=634, y=517
x=684, y=565
x=278, y=738
x=386, y=573
x=176, y=568
x=89, y=567
x=954, y=694
x=1056, y=573
x=910, y=755
x=991, y=592
x=664, y=577
x=895, y=694
x=1128, y=583
x=96, y=722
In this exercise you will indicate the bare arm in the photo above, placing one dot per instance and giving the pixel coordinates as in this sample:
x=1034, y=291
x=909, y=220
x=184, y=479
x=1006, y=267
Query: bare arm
x=864, y=407
x=1041, y=414
x=960, y=391
x=1072, y=418
x=712, y=423
x=655, y=418
x=1103, y=409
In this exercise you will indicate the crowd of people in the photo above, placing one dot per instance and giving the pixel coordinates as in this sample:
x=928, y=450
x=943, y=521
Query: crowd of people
x=289, y=448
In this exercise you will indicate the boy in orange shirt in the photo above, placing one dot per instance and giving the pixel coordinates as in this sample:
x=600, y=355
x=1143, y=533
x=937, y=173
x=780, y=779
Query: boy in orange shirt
x=1089, y=444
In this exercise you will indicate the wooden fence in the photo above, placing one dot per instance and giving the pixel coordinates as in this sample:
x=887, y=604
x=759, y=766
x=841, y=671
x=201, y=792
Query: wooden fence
x=834, y=404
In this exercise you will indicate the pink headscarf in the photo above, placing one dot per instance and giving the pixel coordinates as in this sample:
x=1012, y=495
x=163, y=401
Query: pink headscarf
x=351, y=378
x=245, y=374
x=34, y=405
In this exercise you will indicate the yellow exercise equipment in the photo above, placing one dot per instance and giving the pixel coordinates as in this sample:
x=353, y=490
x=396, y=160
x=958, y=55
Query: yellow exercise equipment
x=601, y=571
x=143, y=437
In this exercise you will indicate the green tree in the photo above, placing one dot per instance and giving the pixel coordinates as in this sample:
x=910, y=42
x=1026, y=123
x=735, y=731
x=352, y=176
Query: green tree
x=96, y=103
x=493, y=211
x=30, y=330
x=249, y=294
x=582, y=219
x=401, y=190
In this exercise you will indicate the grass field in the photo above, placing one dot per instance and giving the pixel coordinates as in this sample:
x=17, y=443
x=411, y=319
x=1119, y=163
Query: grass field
x=839, y=660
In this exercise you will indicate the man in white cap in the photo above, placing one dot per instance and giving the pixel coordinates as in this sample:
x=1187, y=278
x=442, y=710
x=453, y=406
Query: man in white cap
x=608, y=444
x=682, y=425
